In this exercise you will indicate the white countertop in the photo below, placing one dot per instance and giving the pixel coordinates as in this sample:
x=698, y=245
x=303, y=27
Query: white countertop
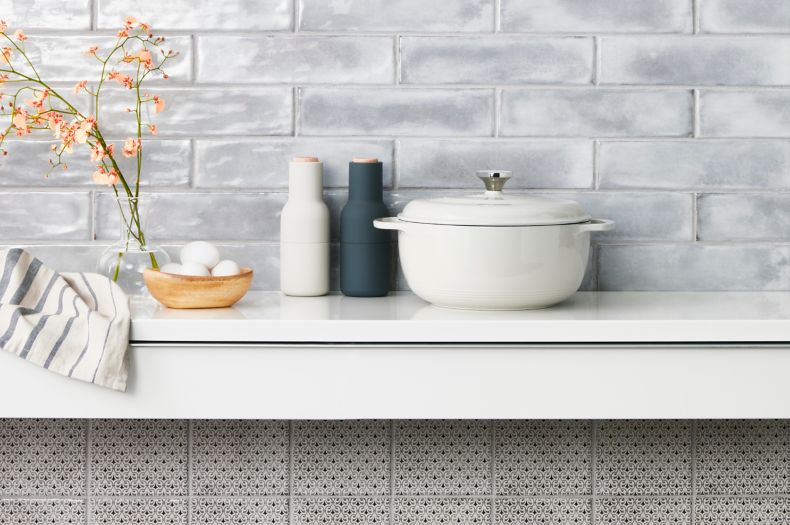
x=587, y=317
x=598, y=355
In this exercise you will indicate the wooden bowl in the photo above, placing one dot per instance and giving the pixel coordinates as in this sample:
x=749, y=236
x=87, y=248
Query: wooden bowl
x=186, y=291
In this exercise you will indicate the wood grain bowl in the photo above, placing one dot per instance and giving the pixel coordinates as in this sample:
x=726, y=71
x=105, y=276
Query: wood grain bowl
x=186, y=291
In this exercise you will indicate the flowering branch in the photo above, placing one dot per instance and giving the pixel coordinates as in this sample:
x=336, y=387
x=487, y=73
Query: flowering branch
x=135, y=48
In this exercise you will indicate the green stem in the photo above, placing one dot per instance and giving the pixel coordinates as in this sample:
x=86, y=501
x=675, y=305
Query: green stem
x=117, y=268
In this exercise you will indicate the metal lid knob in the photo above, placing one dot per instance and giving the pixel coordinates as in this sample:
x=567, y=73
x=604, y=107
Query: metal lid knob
x=494, y=179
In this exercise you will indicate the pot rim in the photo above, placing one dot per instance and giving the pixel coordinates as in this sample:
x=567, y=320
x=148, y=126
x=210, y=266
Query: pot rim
x=403, y=218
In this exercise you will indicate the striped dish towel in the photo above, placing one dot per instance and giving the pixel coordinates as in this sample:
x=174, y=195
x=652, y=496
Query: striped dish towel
x=75, y=324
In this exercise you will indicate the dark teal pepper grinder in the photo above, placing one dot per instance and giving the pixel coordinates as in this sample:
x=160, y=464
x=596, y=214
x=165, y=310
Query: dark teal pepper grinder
x=365, y=256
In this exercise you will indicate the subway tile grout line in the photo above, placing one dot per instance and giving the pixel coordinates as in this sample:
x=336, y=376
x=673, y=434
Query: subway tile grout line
x=290, y=472
x=497, y=112
x=88, y=432
x=596, y=66
x=395, y=165
x=94, y=12
x=92, y=215
x=193, y=163
x=593, y=472
x=695, y=126
x=392, y=473
x=695, y=17
x=695, y=217
x=296, y=109
x=594, y=262
x=398, y=59
x=492, y=472
x=596, y=155
x=190, y=468
x=693, y=496
x=194, y=71
x=371, y=33
x=384, y=497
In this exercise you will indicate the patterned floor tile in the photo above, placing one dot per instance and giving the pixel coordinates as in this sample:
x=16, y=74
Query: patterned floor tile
x=269, y=511
x=240, y=458
x=42, y=512
x=742, y=511
x=341, y=458
x=42, y=457
x=139, y=458
x=743, y=457
x=435, y=511
x=544, y=511
x=643, y=458
x=542, y=457
x=442, y=458
x=138, y=512
x=643, y=511
x=341, y=511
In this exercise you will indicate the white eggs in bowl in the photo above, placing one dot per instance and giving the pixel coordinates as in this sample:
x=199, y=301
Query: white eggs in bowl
x=202, y=259
x=194, y=269
x=225, y=268
x=201, y=280
x=200, y=252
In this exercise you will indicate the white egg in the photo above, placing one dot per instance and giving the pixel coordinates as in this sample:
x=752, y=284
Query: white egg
x=170, y=268
x=200, y=252
x=225, y=268
x=196, y=269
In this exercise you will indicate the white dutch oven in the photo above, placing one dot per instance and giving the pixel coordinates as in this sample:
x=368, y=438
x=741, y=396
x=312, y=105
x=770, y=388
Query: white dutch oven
x=493, y=251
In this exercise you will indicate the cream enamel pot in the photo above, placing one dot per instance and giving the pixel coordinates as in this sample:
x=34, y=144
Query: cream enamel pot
x=493, y=251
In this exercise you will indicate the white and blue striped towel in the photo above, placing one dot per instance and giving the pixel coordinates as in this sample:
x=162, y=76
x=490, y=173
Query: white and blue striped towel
x=74, y=324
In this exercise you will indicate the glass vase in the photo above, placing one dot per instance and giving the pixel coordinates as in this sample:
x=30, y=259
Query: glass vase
x=125, y=261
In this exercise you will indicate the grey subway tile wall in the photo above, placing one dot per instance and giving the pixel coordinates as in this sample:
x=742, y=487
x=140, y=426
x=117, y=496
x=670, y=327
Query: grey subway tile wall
x=581, y=16
x=744, y=16
x=596, y=111
x=496, y=60
x=474, y=16
x=63, y=59
x=702, y=61
x=394, y=472
x=667, y=116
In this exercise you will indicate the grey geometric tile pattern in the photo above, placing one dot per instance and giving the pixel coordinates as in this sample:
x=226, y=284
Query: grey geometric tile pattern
x=543, y=458
x=341, y=511
x=543, y=511
x=138, y=458
x=243, y=458
x=643, y=511
x=642, y=458
x=42, y=457
x=442, y=457
x=42, y=512
x=743, y=457
x=433, y=472
x=138, y=512
x=269, y=511
x=341, y=457
x=433, y=511
x=742, y=511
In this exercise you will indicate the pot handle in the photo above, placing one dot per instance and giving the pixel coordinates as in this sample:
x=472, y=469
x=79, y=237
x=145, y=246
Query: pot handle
x=597, y=225
x=389, y=223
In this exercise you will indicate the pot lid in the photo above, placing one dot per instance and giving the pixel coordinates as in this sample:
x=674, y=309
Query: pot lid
x=494, y=208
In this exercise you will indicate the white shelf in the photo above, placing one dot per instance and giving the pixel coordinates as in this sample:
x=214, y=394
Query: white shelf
x=600, y=355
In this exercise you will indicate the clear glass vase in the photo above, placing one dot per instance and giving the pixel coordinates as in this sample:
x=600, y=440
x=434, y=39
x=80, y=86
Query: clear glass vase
x=125, y=261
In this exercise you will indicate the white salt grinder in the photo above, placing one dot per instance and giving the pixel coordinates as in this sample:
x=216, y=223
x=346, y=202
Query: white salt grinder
x=304, y=231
